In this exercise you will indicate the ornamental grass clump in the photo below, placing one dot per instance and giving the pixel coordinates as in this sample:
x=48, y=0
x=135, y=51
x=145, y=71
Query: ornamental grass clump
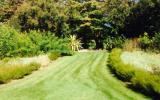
x=11, y=72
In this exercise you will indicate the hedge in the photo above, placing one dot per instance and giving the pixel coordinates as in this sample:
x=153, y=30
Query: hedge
x=141, y=80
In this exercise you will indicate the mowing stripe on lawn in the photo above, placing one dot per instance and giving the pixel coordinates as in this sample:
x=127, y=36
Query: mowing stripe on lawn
x=83, y=76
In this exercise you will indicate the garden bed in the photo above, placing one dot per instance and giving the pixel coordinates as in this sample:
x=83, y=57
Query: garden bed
x=140, y=79
x=141, y=59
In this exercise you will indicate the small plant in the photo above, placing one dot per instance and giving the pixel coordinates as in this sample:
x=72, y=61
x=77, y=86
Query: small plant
x=131, y=45
x=156, y=41
x=113, y=42
x=75, y=43
x=92, y=44
x=145, y=42
x=7, y=59
x=54, y=55
x=156, y=70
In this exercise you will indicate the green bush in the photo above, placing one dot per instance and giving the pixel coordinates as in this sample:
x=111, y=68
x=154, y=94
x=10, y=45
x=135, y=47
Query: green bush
x=156, y=70
x=142, y=80
x=13, y=43
x=145, y=42
x=8, y=73
x=92, y=44
x=67, y=53
x=156, y=41
x=113, y=42
x=54, y=55
x=148, y=43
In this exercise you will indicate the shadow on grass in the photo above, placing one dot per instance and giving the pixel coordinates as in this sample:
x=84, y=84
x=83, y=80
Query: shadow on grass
x=151, y=95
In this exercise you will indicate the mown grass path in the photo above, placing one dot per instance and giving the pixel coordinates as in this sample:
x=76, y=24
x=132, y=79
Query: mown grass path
x=80, y=77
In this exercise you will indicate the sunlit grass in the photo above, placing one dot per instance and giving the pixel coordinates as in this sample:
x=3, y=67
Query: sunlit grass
x=83, y=76
x=11, y=72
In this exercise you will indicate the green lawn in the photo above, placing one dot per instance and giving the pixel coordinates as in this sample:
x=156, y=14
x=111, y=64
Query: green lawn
x=80, y=77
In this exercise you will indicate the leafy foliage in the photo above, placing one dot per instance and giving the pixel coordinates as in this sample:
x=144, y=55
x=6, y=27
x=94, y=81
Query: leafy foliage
x=113, y=42
x=145, y=41
x=54, y=55
x=89, y=20
x=156, y=41
x=150, y=43
x=116, y=13
x=8, y=9
x=144, y=17
x=14, y=43
x=75, y=43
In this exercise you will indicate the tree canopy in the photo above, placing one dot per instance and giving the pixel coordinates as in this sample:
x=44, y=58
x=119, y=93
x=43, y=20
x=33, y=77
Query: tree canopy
x=89, y=20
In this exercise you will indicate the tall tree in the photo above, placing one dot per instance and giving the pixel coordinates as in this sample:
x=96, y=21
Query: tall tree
x=145, y=17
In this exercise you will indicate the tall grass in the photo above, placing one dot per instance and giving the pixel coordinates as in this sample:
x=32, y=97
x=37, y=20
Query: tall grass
x=11, y=72
x=131, y=45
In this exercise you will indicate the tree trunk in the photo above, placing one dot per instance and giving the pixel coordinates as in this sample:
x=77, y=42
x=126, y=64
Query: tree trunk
x=99, y=44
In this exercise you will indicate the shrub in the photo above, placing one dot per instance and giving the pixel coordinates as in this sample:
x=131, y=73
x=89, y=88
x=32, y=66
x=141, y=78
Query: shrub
x=67, y=53
x=131, y=45
x=92, y=44
x=75, y=43
x=122, y=71
x=5, y=60
x=156, y=41
x=145, y=42
x=7, y=40
x=8, y=73
x=142, y=80
x=13, y=43
x=113, y=42
x=148, y=43
x=54, y=55
x=156, y=70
